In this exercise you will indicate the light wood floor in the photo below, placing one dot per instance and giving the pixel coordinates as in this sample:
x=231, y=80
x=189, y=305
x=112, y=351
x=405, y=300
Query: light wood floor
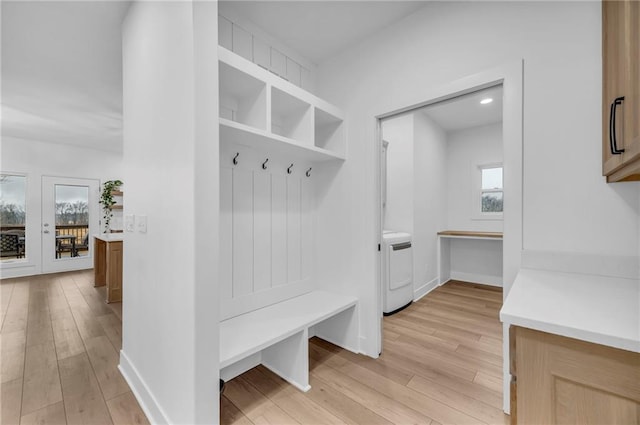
x=442, y=363
x=59, y=355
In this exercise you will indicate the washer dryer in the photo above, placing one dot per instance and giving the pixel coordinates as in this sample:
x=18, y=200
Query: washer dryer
x=397, y=271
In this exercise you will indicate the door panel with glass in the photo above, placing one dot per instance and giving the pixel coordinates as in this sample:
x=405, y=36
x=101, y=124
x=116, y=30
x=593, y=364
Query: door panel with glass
x=69, y=218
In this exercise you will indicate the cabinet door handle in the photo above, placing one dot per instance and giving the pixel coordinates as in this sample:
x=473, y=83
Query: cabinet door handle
x=612, y=126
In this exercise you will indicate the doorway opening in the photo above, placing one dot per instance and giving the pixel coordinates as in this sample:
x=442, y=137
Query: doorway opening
x=482, y=206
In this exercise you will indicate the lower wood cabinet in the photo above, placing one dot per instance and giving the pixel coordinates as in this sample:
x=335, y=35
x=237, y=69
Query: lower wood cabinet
x=561, y=380
x=108, y=268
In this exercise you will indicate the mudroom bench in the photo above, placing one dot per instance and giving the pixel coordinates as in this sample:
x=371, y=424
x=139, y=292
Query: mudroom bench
x=277, y=335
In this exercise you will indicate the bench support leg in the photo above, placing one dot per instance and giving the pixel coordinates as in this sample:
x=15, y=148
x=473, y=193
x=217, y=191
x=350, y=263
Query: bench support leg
x=290, y=359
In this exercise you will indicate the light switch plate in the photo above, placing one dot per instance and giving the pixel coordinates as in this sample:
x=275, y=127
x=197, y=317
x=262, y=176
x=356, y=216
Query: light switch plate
x=129, y=221
x=141, y=223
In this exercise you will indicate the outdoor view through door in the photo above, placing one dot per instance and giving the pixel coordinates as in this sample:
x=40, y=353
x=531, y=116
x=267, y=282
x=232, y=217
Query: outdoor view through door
x=13, y=217
x=72, y=221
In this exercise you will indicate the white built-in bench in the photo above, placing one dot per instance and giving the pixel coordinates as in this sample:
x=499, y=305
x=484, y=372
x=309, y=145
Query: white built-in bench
x=277, y=336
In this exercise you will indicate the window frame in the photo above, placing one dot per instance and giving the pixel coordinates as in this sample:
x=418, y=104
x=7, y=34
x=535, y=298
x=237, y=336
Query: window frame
x=26, y=260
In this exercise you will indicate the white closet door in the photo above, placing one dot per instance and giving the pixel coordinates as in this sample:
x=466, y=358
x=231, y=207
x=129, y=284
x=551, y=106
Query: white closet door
x=242, y=232
x=278, y=230
x=261, y=230
x=226, y=233
x=293, y=229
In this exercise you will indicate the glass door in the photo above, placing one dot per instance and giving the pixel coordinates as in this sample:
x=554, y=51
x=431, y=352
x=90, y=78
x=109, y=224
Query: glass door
x=69, y=219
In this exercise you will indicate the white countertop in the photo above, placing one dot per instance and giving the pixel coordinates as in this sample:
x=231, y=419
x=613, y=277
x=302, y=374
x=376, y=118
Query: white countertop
x=602, y=310
x=110, y=237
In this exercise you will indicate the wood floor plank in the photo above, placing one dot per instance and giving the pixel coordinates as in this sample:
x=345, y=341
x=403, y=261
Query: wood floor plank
x=83, y=400
x=112, y=327
x=12, y=355
x=66, y=337
x=257, y=407
x=104, y=360
x=18, y=309
x=289, y=399
x=348, y=410
x=41, y=378
x=408, y=396
x=388, y=408
x=10, y=401
x=38, y=320
x=469, y=405
x=491, y=382
x=389, y=370
x=125, y=410
x=6, y=289
x=230, y=414
x=49, y=415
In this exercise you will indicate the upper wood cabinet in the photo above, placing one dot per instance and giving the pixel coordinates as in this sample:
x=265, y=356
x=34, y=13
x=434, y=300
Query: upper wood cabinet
x=621, y=90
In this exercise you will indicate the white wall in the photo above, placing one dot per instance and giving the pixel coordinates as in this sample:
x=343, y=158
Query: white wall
x=561, y=46
x=430, y=199
x=170, y=310
x=467, y=149
x=37, y=159
x=399, y=132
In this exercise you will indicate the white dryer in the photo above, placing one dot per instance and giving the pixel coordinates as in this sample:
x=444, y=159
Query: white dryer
x=397, y=271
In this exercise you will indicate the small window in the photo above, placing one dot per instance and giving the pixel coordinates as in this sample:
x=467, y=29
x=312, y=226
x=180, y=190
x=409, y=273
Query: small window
x=491, y=192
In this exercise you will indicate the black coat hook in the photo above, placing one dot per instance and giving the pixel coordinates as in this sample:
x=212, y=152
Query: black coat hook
x=308, y=173
x=235, y=158
x=289, y=169
x=264, y=164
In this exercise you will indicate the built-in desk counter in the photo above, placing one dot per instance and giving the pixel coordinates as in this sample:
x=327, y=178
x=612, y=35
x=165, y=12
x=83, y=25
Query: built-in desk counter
x=466, y=234
x=479, y=260
x=107, y=261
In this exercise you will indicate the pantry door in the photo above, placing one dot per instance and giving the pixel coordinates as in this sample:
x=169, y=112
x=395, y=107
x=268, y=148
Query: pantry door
x=69, y=219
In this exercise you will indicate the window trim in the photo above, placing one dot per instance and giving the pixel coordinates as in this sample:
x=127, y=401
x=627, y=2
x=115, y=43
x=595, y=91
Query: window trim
x=477, y=191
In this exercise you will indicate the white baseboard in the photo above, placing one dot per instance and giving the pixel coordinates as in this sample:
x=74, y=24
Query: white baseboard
x=425, y=289
x=147, y=401
x=482, y=279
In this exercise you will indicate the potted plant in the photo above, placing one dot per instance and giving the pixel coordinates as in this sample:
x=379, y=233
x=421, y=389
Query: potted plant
x=107, y=201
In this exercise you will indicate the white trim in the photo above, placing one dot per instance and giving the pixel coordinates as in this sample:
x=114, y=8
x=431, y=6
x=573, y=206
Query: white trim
x=483, y=279
x=425, y=289
x=149, y=404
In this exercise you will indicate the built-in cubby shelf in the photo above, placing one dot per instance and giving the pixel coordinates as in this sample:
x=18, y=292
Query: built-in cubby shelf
x=260, y=110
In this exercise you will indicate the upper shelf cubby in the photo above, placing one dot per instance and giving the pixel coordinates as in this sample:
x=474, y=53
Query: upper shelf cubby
x=328, y=131
x=243, y=98
x=264, y=106
x=290, y=117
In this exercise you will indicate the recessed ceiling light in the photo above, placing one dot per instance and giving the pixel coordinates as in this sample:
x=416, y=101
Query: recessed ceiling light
x=485, y=101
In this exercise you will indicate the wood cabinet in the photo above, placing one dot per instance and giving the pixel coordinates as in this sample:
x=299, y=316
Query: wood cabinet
x=621, y=90
x=561, y=380
x=108, y=267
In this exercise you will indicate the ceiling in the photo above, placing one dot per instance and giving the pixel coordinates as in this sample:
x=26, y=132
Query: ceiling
x=62, y=61
x=62, y=72
x=466, y=111
x=319, y=30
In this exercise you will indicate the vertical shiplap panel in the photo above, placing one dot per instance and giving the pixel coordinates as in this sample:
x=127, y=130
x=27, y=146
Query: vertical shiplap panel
x=278, y=230
x=261, y=230
x=226, y=234
x=293, y=229
x=242, y=232
x=307, y=230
